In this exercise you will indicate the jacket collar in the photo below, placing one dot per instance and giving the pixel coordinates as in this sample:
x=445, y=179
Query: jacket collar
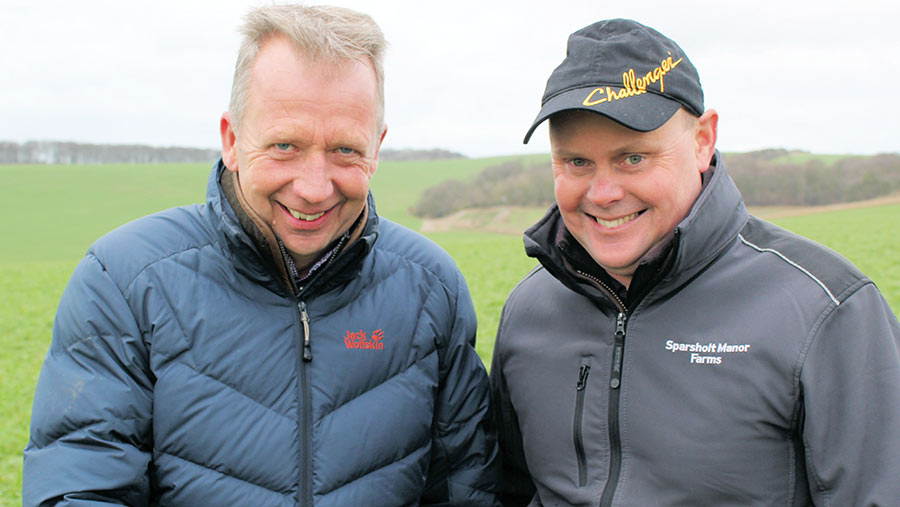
x=256, y=249
x=712, y=224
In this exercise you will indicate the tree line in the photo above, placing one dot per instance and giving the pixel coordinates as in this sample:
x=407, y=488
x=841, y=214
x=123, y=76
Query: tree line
x=432, y=154
x=511, y=183
x=769, y=177
x=61, y=152
x=765, y=177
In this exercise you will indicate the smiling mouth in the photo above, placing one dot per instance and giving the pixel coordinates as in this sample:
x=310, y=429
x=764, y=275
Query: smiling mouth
x=304, y=216
x=609, y=224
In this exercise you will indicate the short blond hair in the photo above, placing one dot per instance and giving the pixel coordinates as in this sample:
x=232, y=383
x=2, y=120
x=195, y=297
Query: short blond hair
x=326, y=34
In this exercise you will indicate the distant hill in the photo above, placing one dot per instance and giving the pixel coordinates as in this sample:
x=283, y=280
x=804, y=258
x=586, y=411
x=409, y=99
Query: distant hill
x=799, y=178
x=433, y=154
x=773, y=177
x=61, y=152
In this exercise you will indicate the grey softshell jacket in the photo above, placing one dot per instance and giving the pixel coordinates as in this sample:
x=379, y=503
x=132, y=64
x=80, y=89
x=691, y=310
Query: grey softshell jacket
x=178, y=373
x=762, y=369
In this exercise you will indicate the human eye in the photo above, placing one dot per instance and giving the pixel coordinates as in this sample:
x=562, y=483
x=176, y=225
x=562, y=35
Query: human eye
x=633, y=159
x=578, y=162
x=343, y=150
x=283, y=146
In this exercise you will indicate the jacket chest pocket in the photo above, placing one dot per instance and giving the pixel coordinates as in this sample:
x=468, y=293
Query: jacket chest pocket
x=581, y=386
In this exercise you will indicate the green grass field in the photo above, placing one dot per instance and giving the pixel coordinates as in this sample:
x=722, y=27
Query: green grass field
x=55, y=212
x=51, y=214
x=29, y=293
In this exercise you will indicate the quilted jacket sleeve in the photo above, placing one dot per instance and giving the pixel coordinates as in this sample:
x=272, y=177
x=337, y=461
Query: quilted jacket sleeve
x=91, y=421
x=851, y=400
x=463, y=467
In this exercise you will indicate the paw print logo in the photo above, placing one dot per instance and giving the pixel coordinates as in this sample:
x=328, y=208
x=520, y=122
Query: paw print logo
x=359, y=341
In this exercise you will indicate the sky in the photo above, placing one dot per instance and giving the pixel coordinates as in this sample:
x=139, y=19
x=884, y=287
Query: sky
x=462, y=75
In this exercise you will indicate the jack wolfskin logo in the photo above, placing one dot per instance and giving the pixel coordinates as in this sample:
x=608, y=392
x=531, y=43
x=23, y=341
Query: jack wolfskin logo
x=359, y=340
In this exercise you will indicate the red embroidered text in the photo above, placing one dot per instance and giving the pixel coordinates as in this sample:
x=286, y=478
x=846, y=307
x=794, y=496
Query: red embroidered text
x=359, y=340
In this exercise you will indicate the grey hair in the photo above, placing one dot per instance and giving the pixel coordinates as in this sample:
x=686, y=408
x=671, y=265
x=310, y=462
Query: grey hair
x=322, y=33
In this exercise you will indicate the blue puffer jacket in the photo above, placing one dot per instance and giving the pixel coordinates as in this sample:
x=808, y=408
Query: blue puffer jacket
x=176, y=373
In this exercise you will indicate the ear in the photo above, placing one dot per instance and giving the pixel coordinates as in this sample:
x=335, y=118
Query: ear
x=378, y=150
x=229, y=142
x=707, y=131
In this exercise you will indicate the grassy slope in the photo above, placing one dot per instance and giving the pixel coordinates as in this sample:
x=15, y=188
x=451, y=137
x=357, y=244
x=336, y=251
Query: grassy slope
x=29, y=293
x=56, y=212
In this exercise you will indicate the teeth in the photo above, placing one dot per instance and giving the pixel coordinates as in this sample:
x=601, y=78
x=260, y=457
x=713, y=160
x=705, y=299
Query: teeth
x=615, y=223
x=304, y=216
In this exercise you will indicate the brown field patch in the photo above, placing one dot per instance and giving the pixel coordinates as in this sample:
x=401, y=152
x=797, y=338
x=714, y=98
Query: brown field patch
x=770, y=212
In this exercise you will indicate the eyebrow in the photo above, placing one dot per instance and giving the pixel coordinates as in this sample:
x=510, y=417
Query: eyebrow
x=562, y=153
x=630, y=147
x=635, y=147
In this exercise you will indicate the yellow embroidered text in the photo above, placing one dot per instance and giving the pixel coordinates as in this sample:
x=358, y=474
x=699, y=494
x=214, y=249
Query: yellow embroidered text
x=633, y=85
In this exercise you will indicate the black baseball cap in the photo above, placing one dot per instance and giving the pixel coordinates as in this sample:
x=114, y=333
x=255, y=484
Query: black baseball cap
x=625, y=71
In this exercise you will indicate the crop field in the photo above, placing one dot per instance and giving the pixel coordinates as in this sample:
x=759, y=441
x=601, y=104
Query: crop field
x=51, y=214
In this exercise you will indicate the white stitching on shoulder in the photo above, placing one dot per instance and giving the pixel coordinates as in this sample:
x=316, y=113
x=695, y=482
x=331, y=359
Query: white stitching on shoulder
x=792, y=263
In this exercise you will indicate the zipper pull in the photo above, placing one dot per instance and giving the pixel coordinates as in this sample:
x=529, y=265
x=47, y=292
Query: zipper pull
x=583, y=373
x=616, y=379
x=304, y=318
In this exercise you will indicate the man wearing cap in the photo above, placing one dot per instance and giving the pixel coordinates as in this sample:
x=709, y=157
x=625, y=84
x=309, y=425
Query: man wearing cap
x=671, y=349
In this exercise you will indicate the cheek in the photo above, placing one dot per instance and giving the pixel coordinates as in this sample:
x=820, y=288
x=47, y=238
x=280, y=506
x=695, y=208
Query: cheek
x=353, y=184
x=259, y=198
x=568, y=193
x=258, y=184
x=656, y=193
x=673, y=199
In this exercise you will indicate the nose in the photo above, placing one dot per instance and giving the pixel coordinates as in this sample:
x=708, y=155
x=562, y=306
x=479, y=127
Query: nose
x=605, y=189
x=312, y=179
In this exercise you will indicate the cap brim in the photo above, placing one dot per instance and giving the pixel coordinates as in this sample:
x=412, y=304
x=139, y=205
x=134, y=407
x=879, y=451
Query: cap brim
x=644, y=112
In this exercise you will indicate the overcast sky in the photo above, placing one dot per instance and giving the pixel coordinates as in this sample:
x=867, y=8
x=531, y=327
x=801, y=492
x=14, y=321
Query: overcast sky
x=463, y=75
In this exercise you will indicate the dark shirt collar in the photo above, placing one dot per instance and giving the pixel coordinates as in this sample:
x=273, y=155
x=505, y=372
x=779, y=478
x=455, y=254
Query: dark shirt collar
x=300, y=277
x=650, y=268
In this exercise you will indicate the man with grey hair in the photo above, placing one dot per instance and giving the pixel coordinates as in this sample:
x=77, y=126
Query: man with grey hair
x=281, y=344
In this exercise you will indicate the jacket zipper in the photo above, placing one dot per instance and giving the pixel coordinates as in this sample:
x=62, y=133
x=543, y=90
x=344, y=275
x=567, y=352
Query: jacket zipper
x=303, y=372
x=583, y=371
x=615, y=445
x=304, y=319
x=605, y=288
x=615, y=382
x=304, y=376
